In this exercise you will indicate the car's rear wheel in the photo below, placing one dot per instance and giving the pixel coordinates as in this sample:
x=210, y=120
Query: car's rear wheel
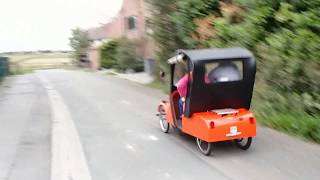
x=204, y=147
x=164, y=124
x=243, y=143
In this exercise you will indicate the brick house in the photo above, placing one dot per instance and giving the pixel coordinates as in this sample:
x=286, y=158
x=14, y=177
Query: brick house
x=130, y=22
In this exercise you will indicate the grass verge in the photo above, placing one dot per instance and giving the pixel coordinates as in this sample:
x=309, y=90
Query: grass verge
x=302, y=125
x=157, y=84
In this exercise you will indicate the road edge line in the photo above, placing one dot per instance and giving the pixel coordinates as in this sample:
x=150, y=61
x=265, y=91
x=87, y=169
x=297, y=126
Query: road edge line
x=68, y=159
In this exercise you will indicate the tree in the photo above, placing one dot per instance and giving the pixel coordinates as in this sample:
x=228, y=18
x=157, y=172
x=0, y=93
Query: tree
x=79, y=42
x=108, y=54
x=126, y=56
x=175, y=25
x=121, y=54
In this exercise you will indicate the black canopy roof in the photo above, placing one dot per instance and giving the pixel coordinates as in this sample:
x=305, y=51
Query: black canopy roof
x=216, y=54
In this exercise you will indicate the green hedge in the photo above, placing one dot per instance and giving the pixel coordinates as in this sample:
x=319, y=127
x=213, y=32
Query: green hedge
x=108, y=53
x=121, y=54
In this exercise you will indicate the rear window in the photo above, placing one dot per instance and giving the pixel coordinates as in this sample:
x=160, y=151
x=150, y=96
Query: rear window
x=223, y=71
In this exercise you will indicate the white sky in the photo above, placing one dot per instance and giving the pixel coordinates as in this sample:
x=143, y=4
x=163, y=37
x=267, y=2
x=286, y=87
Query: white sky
x=46, y=24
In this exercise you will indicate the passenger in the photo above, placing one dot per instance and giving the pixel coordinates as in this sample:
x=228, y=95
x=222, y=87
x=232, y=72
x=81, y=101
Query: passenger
x=224, y=72
x=182, y=87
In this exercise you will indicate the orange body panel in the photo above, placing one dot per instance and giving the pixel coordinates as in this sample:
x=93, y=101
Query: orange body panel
x=199, y=125
x=227, y=127
x=168, y=111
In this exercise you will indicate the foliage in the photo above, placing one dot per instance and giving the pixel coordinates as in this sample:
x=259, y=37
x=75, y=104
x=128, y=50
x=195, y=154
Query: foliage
x=158, y=84
x=283, y=35
x=164, y=29
x=108, y=52
x=127, y=57
x=286, y=42
x=79, y=42
x=173, y=24
x=121, y=54
x=296, y=124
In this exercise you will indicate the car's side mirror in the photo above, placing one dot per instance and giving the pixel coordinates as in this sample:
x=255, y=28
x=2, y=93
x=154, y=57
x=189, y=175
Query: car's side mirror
x=162, y=74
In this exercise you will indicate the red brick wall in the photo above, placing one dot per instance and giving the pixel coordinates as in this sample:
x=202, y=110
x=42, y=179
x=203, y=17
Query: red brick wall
x=94, y=57
x=119, y=26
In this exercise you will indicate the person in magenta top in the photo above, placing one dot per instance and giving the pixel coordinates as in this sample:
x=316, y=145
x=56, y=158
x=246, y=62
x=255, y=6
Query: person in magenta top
x=182, y=87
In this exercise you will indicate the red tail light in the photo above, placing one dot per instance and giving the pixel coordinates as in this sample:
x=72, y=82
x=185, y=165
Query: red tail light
x=211, y=124
x=252, y=120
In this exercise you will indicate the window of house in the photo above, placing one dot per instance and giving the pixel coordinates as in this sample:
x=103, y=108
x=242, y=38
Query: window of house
x=132, y=23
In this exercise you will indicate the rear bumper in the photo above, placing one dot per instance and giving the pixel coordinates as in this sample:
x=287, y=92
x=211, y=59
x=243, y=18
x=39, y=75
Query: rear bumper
x=224, y=129
x=231, y=130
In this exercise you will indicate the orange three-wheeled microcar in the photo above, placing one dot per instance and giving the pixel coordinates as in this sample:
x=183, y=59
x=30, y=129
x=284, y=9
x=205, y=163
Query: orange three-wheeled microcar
x=219, y=91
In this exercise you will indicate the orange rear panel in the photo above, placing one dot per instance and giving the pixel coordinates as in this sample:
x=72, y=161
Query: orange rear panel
x=227, y=127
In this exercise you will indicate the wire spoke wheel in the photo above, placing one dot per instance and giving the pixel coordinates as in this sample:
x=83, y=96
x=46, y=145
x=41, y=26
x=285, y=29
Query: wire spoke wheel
x=243, y=143
x=204, y=147
x=163, y=121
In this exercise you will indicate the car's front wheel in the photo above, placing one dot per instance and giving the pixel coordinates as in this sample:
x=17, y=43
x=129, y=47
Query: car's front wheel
x=164, y=124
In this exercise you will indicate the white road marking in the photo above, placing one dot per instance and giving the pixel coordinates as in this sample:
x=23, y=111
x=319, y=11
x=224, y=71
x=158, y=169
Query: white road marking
x=125, y=102
x=153, y=138
x=130, y=147
x=277, y=170
x=149, y=137
x=68, y=160
x=128, y=131
x=167, y=175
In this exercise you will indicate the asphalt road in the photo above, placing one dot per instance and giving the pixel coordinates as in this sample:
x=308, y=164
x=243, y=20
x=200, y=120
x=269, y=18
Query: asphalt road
x=114, y=121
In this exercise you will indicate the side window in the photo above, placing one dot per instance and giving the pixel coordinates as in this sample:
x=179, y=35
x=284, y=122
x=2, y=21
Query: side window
x=224, y=71
x=132, y=23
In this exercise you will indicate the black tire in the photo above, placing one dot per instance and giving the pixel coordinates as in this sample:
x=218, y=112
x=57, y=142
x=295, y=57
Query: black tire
x=243, y=143
x=204, y=147
x=164, y=124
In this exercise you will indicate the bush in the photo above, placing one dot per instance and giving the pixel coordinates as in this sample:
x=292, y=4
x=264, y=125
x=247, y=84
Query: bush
x=285, y=40
x=121, y=54
x=138, y=66
x=108, y=53
x=126, y=55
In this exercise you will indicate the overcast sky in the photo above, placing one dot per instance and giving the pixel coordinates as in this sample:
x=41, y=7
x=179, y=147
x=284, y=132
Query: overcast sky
x=46, y=24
